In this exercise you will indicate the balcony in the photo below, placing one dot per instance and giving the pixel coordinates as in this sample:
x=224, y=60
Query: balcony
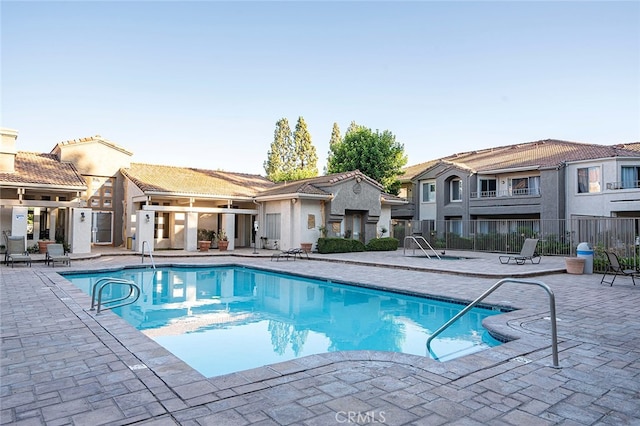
x=614, y=186
x=527, y=192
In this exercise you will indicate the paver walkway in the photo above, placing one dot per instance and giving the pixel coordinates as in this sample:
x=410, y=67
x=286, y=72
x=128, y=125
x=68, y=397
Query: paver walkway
x=62, y=364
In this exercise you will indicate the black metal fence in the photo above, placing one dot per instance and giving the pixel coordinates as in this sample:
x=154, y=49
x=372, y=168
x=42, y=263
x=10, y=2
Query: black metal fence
x=556, y=237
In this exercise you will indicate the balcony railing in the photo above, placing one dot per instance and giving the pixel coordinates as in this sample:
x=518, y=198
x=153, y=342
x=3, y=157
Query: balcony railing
x=623, y=185
x=507, y=193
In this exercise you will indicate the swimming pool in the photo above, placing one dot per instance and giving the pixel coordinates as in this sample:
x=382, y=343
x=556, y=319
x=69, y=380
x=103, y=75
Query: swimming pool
x=226, y=319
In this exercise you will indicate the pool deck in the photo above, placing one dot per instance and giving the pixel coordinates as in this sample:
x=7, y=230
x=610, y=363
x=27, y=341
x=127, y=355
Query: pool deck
x=62, y=364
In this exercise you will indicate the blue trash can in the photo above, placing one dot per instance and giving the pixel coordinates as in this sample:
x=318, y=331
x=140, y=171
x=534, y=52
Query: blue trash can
x=585, y=251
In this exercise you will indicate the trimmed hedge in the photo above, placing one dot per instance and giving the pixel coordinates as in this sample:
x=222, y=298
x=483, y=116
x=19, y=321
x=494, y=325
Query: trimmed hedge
x=347, y=245
x=339, y=245
x=383, y=244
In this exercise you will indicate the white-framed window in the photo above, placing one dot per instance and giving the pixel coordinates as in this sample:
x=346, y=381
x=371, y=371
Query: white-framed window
x=488, y=187
x=429, y=192
x=272, y=226
x=455, y=190
x=589, y=180
x=529, y=185
x=630, y=176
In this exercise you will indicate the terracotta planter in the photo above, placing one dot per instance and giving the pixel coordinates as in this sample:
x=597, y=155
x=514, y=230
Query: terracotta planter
x=204, y=245
x=42, y=246
x=575, y=265
x=306, y=247
x=223, y=245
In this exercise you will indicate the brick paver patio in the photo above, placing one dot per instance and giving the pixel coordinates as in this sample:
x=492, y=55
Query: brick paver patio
x=62, y=364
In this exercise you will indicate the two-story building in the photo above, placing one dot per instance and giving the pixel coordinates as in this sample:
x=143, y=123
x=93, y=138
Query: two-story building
x=543, y=181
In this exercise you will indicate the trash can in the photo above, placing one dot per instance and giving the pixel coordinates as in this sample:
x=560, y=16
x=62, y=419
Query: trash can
x=585, y=251
x=129, y=243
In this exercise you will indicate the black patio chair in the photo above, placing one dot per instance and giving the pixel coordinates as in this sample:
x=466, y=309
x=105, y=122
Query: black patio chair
x=615, y=268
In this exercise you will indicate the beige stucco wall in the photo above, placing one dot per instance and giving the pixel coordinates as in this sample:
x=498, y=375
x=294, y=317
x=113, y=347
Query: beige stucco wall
x=94, y=157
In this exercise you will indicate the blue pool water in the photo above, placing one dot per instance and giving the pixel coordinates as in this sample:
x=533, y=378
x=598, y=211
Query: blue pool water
x=225, y=319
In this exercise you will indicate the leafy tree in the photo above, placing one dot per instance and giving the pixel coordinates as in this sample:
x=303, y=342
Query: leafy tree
x=378, y=155
x=353, y=126
x=291, y=157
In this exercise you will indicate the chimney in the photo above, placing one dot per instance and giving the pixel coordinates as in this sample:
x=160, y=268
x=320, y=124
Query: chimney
x=8, y=150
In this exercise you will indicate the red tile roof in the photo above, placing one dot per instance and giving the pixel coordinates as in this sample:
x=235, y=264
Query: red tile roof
x=185, y=180
x=542, y=154
x=43, y=169
x=316, y=185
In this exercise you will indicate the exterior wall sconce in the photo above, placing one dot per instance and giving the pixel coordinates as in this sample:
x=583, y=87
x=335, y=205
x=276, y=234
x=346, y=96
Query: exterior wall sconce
x=147, y=218
x=81, y=216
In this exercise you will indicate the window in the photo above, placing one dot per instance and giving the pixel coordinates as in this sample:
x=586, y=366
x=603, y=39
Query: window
x=588, y=180
x=456, y=190
x=272, y=227
x=428, y=192
x=630, y=176
x=488, y=188
x=454, y=226
x=525, y=185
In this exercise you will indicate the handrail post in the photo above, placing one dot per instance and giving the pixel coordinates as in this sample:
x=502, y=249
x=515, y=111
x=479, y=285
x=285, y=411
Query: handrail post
x=97, y=304
x=153, y=263
x=552, y=313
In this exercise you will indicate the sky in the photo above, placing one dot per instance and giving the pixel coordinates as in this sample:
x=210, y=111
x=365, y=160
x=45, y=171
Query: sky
x=203, y=83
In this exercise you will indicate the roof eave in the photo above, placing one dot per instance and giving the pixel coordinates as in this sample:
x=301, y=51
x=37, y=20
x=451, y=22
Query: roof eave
x=277, y=197
x=198, y=195
x=7, y=184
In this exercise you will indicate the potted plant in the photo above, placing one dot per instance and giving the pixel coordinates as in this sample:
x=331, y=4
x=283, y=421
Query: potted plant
x=223, y=241
x=205, y=239
x=42, y=245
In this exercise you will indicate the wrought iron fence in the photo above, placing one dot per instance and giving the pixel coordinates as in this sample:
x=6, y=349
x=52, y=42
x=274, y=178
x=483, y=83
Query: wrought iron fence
x=556, y=237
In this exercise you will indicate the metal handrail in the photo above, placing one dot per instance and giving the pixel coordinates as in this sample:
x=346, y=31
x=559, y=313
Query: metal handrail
x=415, y=240
x=97, y=305
x=153, y=263
x=552, y=309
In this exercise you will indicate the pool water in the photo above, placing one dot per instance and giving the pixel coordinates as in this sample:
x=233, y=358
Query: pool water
x=225, y=319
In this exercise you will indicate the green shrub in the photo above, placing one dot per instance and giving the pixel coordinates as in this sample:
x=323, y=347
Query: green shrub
x=382, y=244
x=339, y=245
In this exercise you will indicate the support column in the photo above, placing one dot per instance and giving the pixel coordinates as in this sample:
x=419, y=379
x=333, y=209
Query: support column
x=80, y=240
x=191, y=231
x=145, y=220
x=228, y=224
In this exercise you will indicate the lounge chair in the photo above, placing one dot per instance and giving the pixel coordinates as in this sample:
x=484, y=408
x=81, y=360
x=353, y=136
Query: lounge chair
x=288, y=254
x=528, y=252
x=56, y=253
x=615, y=268
x=17, y=250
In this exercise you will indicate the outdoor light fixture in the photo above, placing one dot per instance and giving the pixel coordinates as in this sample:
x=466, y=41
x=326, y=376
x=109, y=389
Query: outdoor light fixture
x=147, y=217
x=81, y=216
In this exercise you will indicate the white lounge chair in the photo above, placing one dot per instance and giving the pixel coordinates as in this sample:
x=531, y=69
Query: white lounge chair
x=55, y=253
x=17, y=250
x=528, y=252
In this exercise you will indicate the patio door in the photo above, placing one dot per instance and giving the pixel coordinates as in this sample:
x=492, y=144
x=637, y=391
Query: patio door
x=101, y=227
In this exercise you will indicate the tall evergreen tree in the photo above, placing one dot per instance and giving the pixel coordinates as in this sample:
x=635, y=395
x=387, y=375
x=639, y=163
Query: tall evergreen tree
x=280, y=156
x=306, y=158
x=377, y=155
x=292, y=156
x=335, y=139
